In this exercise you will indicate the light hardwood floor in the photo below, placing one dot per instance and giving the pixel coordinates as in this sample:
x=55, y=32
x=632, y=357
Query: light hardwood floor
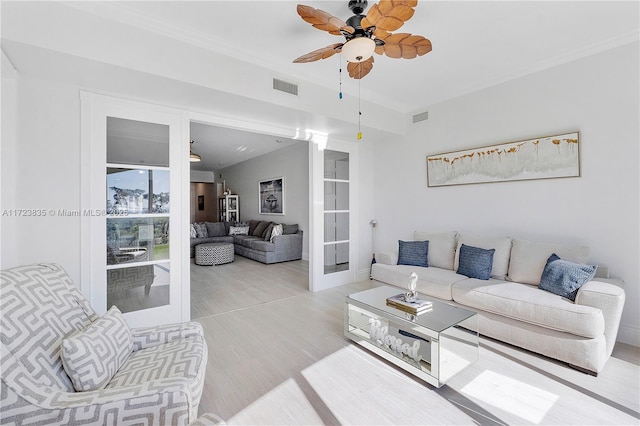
x=277, y=355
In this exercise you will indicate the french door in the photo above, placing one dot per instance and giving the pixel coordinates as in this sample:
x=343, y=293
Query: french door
x=334, y=189
x=135, y=196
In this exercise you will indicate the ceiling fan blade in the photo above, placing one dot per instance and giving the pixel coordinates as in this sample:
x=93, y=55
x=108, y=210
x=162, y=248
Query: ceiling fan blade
x=389, y=15
x=359, y=70
x=323, y=53
x=321, y=20
x=404, y=45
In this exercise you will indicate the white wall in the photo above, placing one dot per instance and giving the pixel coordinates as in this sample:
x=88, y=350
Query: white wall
x=292, y=163
x=597, y=95
x=201, y=176
x=8, y=170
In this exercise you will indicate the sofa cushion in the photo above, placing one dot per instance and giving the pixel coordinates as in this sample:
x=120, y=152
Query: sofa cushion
x=529, y=304
x=240, y=239
x=177, y=359
x=413, y=253
x=260, y=228
x=192, y=231
x=528, y=259
x=434, y=282
x=502, y=246
x=475, y=262
x=252, y=226
x=93, y=356
x=266, y=234
x=442, y=247
x=289, y=229
x=262, y=245
x=215, y=229
x=564, y=278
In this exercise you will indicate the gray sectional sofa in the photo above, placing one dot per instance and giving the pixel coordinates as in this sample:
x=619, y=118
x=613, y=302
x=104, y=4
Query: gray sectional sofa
x=257, y=243
x=511, y=303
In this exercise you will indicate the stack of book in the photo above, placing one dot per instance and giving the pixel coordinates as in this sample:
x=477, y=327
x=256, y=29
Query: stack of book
x=416, y=307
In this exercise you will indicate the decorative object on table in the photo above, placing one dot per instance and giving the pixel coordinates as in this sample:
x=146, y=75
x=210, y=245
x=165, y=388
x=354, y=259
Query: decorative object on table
x=271, y=196
x=416, y=307
x=412, y=295
x=539, y=158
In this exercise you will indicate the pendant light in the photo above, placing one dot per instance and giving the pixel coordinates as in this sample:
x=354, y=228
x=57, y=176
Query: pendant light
x=194, y=158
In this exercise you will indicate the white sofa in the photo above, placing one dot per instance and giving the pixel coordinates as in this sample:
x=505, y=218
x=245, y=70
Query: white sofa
x=511, y=306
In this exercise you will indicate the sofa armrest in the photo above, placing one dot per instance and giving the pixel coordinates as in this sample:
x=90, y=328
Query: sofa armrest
x=153, y=336
x=387, y=258
x=24, y=399
x=288, y=242
x=606, y=294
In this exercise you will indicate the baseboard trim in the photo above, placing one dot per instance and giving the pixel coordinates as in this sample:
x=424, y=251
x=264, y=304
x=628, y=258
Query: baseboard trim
x=363, y=274
x=628, y=334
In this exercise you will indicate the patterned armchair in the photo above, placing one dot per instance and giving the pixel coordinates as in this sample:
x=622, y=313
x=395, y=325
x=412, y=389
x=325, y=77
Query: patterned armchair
x=159, y=383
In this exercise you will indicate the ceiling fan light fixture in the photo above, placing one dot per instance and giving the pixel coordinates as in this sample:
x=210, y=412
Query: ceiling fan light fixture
x=194, y=158
x=358, y=49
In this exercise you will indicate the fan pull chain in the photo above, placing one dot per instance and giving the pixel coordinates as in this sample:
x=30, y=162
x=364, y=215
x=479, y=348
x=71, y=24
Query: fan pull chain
x=340, y=67
x=359, y=109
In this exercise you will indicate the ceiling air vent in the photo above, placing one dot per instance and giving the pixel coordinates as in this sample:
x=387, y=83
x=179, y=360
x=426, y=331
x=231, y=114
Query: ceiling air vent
x=421, y=117
x=285, y=86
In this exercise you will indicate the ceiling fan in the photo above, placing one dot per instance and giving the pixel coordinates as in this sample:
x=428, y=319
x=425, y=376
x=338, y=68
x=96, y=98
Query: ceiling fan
x=366, y=34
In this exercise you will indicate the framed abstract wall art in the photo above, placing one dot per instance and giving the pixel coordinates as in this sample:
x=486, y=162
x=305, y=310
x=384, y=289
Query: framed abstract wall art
x=540, y=158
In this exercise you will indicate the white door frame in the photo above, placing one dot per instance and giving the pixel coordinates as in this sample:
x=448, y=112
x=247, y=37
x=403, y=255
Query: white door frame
x=318, y=280
x=94, y=110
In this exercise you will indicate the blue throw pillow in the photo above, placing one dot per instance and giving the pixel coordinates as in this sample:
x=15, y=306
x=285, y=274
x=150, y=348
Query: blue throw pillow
x=564, y=278
x=475, y=262
x=413, y=253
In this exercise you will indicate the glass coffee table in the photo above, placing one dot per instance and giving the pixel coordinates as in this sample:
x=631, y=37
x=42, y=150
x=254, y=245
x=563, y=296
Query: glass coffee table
x=433, y=346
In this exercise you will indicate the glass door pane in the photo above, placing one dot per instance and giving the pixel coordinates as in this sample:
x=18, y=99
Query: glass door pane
x=138, y=215
x=336, y=211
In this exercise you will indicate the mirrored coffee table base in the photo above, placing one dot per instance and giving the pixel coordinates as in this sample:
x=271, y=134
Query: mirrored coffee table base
x=433, y=346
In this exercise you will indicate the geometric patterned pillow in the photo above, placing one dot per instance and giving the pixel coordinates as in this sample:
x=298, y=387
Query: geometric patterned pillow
x=201, y=230
x=277, y=230
x=92, y=356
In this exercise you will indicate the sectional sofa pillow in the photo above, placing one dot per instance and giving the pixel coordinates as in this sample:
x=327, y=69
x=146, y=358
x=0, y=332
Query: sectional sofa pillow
x=260, y=229
x=475, y=262
x=413, y=253
x=528, y=259
x=215, y=229
x=501, y=245
x=442, y=247
x=565, y=278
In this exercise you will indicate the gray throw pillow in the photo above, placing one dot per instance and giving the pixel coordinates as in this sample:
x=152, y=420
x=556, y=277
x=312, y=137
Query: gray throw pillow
x=475, y=262
x=262, y=226
x=413, y=253
x=215, y=229
x=252, y=226
x=289, y=229
x=267, y=232
x=565, y=278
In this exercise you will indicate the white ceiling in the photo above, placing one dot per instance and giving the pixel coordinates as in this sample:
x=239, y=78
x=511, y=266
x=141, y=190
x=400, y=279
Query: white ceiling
x=222, y=147
x=476, y=44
